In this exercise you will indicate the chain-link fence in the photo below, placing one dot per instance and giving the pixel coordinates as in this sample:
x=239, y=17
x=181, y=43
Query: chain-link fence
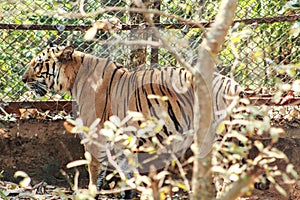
x=260, y=44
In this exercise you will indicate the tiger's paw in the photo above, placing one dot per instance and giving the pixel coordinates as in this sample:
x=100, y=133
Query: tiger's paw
x=101, y=181
x=128, y=194
x=264, y=184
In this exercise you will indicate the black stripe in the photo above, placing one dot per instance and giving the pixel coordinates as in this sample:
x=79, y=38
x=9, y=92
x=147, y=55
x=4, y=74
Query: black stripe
x=37, y=65
x=47, y=69
x=162, y=91
x=185, y=76
x=235, y=88
x=226, y=90
x=53, y=68
x=165, y=130
x=105, y=66
x=108, y=91
x=58, y=74
x=180, y=75
x=182, y=112
x=118, y=84
x=122, y=87
x=160, y=138
x=217, y=80
x=174, y=119
x=167, y=88
x=163, y=83
x=151, y=85
x=218, y=93
x=90, y=62
x=187, y=98
x=139, y=101
x=152, y=112
x=129, y=85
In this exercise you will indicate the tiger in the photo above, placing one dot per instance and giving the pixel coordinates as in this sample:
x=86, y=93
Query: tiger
x=103, y=88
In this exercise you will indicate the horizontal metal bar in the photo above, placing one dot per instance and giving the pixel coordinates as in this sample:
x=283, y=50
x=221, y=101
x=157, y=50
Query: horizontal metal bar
x=69, y=106
x=62, y=27
x=13, y=107
x=267, y=100
x=57, y=27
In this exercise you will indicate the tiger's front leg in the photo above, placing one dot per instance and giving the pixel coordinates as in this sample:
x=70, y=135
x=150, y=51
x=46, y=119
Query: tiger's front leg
x=97, y=175
x=94, y=170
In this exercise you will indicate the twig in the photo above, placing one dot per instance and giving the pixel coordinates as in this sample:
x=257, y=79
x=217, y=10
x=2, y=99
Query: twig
x=182, y=173
x=243, y=182
x=179, y=165
x=81, y=7
x=2, y=110
x=114, y=164
x=116, y=190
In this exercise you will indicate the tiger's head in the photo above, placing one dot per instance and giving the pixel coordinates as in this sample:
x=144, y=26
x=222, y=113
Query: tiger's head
x=54, y=68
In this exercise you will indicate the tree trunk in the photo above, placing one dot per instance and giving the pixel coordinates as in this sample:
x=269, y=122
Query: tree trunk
x=137, y=55
x=202, y=178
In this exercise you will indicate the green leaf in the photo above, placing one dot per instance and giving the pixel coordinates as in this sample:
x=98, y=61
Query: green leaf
x=287, y=180
x=162, y=175
x=20, y=174
x=276, y=133
x=182, y=186
x=3, y=195
x=280, y=190
x=77, y=163
x=275, y=153
x=259, y=145
x=116, y=120
x=291, y=5
x=295, y=30
x=110, y=125
x=108, y=133
x=290, y=169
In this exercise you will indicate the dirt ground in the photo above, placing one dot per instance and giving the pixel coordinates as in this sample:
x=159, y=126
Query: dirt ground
x=43, y=148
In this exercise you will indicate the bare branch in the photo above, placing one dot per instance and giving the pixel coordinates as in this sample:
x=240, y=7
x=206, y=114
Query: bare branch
x=182, y=173
x=114, y=164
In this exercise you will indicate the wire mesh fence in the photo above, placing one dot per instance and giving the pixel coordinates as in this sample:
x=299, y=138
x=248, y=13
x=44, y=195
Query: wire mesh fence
x=258, y=47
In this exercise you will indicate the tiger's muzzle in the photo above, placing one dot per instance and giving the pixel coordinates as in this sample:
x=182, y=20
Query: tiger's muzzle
x=39, y=88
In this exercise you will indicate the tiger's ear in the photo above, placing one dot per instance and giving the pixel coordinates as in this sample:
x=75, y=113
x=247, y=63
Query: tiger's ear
x=66, y=54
